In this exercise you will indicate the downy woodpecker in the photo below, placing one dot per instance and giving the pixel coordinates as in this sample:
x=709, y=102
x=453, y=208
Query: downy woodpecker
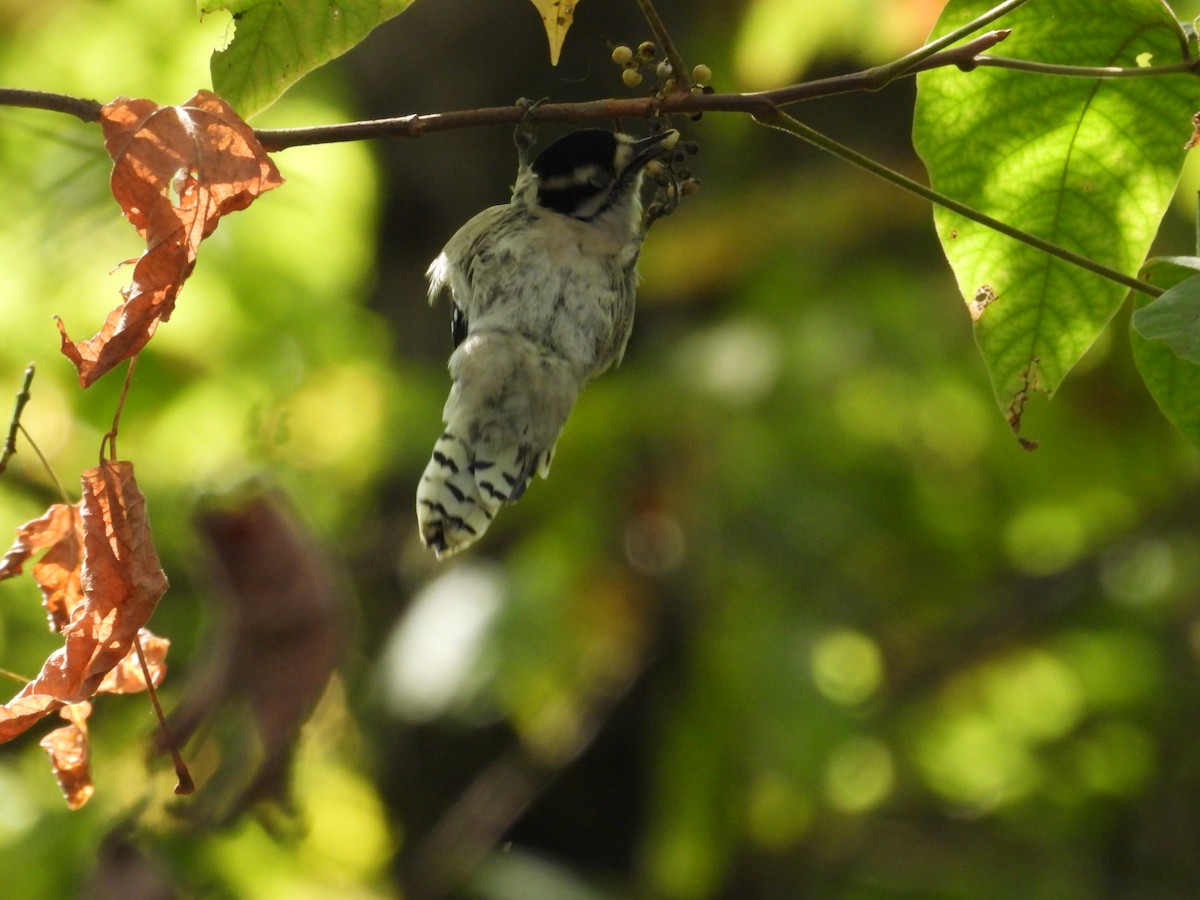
x=542, y=292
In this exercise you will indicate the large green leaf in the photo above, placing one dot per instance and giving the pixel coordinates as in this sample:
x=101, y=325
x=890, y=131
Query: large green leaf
x=1173, y=380
x=1085, y=163
x=277, y=42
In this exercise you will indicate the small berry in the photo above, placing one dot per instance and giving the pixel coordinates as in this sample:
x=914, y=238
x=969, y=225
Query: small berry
x=653, y=169
x=663, y=70
x=691, y=147
x=689, y=187
x=668, y=85
x=647, y=51
x=621, y=55
x=631, y=77
x=702, y=74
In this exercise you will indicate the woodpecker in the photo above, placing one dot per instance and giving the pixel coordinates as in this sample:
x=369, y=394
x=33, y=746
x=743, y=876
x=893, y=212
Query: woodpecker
x=542, y=297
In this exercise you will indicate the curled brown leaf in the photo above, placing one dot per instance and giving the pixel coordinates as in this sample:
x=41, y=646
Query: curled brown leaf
x=177, y=170
x=57, y=572
x=122, y=583
x=68, y=750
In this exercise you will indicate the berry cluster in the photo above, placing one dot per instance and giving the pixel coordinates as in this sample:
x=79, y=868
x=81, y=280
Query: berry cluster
x=633, y=62
x=673, y=180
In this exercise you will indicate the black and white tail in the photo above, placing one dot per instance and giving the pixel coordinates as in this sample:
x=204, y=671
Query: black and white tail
x=460, y=493
x=507, y=407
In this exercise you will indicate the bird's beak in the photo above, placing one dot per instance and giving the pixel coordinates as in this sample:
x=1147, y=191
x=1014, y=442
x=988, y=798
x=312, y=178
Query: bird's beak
x=649, y=147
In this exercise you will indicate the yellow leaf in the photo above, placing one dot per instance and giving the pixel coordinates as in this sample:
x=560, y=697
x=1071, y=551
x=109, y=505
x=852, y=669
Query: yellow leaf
x=557, y=16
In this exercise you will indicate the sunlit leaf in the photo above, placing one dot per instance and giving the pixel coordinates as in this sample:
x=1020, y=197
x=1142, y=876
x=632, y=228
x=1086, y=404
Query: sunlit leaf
x=1084, y=163
x=122, y=583
x=68, y=750
x=57, y=572
x=177, y=170
x=557, y=16
x=277, y=42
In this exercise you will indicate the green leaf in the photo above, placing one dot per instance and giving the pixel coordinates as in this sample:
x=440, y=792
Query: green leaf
x=1088, y=164
x=1174, y=382
x=1174, y=319
x=277, y=42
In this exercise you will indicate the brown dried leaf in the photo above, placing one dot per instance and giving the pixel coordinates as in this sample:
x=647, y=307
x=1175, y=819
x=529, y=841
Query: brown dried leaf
x=122, y=583
x=57, y=572
x=177, y=170
x=68, y=749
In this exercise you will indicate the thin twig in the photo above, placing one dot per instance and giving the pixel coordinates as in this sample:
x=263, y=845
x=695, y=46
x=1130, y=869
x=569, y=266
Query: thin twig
x=783, y=122
x=683, y=79
x=62, y=493
x=23, y=395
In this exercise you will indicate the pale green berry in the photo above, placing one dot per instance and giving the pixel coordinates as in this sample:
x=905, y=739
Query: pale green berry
x=622, y=55
x=702, y=74
x=631, y=77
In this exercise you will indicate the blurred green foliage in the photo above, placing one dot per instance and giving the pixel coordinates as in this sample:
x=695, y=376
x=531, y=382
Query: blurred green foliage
x=794, y=616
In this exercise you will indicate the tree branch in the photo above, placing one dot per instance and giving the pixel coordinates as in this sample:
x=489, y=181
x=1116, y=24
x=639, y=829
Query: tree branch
x=965, y=56
x=80, y=108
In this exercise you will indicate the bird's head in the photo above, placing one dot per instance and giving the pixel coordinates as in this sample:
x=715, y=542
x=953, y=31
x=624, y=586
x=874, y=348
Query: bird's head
x=591, y=172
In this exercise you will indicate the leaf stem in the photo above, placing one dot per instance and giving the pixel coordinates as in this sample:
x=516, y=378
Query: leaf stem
x=1027, y=65
x=781, y=121
x=7, y=673
x=46, y=465
x=888, y=72
x=23, y=395
x=185, y=784
x=111, y=437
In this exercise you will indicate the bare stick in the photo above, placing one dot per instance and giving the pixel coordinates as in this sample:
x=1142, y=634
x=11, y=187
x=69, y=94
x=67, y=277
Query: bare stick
x=23, y=395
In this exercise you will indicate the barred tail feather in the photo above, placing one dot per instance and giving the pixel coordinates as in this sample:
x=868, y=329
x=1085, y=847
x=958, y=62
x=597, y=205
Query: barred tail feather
x=506, y=409
x=461, y=493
